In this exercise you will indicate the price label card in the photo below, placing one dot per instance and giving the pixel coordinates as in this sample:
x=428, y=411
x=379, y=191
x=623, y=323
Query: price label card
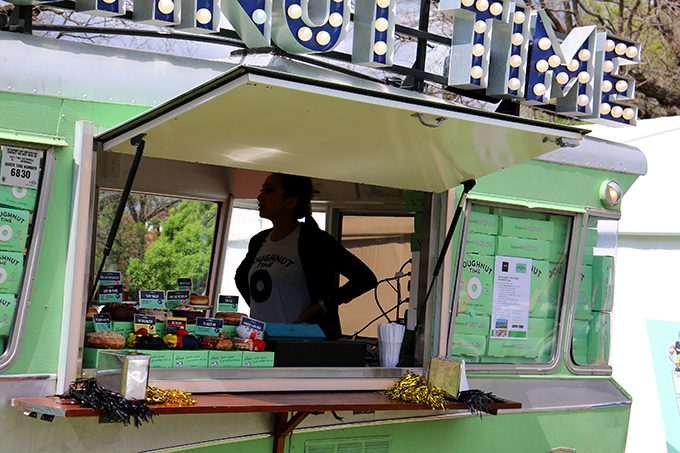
x=102, y=322
x=20, y=167
x=227, y=303
x=254, y=326
x=111, y=293
x=174, y=324
x=151, y=299
x=209, y=326
x=109, y=278
x=176, y=298
x=184, y=284
x=146, y=322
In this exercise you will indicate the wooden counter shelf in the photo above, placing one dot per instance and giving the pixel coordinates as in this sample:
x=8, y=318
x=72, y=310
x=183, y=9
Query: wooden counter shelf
x=301, y=404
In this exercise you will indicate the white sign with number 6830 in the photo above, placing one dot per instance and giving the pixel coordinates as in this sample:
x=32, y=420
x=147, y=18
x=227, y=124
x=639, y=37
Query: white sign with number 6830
x=20, y=167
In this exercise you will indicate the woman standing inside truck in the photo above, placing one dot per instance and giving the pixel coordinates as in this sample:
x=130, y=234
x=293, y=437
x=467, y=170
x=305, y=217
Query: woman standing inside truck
x=289, y=272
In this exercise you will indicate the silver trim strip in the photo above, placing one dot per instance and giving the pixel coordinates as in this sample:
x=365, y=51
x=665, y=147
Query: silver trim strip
x=16, y=335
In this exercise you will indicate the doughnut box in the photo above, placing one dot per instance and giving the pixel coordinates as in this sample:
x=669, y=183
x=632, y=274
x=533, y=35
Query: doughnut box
x=13, y=229
x=18, y=197
x=11, y=268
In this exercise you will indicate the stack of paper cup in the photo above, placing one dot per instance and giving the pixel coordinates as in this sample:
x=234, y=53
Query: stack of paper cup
x=390, y=337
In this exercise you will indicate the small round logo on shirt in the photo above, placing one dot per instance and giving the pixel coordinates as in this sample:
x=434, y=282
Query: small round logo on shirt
x=260, y=285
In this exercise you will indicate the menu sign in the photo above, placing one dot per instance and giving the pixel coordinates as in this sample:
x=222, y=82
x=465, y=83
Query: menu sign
x=177, y=298
x=102, y=322
x=152, y=299
x=227, y=303
x=111, y=293
x=145, y=322
x=209, y=326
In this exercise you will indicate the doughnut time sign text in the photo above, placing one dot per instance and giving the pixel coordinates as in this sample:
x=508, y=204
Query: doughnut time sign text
x=501, y=47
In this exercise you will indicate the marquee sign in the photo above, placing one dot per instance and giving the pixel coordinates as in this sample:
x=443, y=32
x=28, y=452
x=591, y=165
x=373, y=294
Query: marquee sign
x=501, y=47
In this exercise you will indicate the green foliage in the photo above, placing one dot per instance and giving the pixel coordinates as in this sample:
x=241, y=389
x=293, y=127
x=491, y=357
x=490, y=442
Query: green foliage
x=183, y=249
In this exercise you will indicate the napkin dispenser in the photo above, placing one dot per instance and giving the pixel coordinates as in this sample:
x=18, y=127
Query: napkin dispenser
x=124, y=372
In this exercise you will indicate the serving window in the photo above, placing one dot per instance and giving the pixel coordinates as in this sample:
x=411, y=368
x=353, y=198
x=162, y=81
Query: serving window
x=511, y=276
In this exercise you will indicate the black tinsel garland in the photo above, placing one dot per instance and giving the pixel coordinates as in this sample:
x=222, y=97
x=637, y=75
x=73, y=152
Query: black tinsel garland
x=89, y=394
x=478, y=401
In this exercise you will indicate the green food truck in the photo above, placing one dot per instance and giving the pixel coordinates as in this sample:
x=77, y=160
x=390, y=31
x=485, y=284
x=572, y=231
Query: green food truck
x=497, y=234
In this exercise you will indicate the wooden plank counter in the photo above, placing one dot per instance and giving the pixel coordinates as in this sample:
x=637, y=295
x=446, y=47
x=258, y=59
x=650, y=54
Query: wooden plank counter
x=301, y=404
x=251, y=402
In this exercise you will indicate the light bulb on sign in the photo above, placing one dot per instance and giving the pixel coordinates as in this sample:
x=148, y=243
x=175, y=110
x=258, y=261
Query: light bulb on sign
x=562, y=78
x=617, y=111
x=383, y=3
x=514, y=84
x=605, y=109
x=480, y=27
x=539, y=89
x=323, y=38
x=517, y=39
x=632, y=52
x=478, y=50
x=607, y=86
x=573, y=65
x=259, y=16
x=620, y=49
x=544, y=43
x=166, y=6
x=482, y=5
x=609, y=45
x=335, y=20
x=554, y=61
x=203, y=16
x=584, y=54
x=380, y=48
x=621, y=86
x=519, y=17
x=541, y=65
x=476, y=72
x=608, y=66
x=628, y=114
x=381, y=23
x=496, y=8
x=516, y=61
x=583, y=100
x=583, y=77
x=304, y=34
x=294, y=11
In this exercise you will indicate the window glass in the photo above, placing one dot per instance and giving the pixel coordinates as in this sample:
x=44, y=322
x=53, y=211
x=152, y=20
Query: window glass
x=383, y=243
x=244, y=224
x=159, y=240
x=595, y=294
x=511, y=278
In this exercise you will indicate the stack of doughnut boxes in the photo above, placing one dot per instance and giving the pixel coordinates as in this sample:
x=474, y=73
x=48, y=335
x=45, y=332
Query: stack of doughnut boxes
x=543, y=238
x=16, y=213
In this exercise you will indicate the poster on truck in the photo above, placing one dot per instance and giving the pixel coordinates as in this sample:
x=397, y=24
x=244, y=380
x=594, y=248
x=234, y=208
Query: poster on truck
x=511, y=296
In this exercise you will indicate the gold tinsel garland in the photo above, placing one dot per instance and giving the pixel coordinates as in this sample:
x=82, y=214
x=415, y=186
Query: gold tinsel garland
x=412, y=388
x=155, y=395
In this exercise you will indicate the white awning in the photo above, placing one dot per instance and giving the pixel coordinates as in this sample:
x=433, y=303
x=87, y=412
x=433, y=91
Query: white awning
x=261, y=119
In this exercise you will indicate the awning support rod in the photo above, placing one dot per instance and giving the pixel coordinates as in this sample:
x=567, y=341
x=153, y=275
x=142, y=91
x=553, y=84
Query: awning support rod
x=467, y=187
x=137, y=141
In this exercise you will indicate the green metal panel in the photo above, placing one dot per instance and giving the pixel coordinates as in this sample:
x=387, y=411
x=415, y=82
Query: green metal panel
x=551, y=183
x=598, y=429
x=52, y=117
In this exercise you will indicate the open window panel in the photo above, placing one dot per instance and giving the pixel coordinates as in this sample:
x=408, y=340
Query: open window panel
x=511, y=274
x=195, y=220
x=591, y=330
